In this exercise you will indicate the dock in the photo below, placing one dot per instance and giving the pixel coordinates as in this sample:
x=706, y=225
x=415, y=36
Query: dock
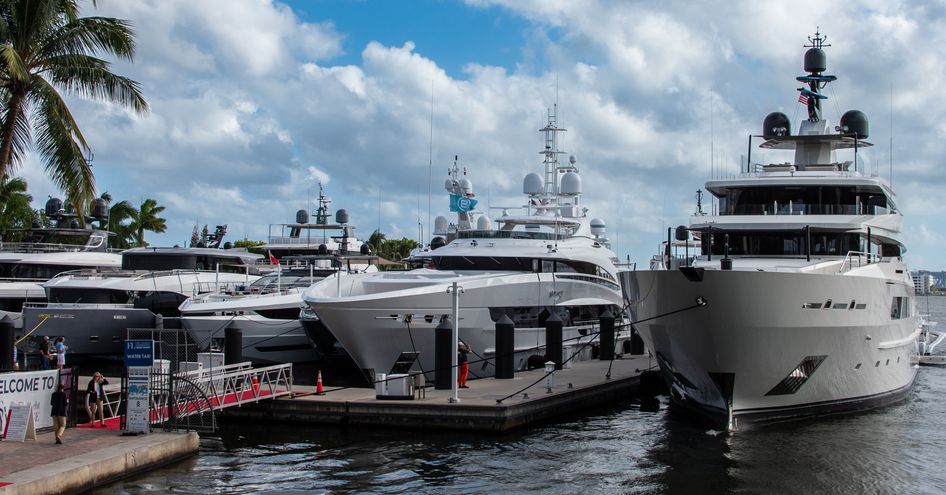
x=87, y=459
x=489, y=405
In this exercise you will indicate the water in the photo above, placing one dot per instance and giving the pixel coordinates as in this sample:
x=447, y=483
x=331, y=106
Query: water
x=615, y=450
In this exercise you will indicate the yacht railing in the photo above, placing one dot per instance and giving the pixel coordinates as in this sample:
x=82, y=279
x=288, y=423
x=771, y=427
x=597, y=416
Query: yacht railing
x=44, y=247
x=860, y=258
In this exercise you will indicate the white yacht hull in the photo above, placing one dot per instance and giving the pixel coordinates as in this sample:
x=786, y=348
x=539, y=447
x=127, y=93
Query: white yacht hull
x=265, y=340
x=12, y=296
x=376, y=327
x=780, y=358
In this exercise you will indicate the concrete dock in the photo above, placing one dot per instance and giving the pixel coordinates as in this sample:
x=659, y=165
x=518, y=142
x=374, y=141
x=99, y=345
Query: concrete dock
x=582, y=386
x=87, y=459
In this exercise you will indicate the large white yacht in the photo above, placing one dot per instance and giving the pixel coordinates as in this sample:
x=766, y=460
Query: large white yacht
x=550, y=258
x=800, y=302
x=94, y=308
x=267, y=311
x=45, y=252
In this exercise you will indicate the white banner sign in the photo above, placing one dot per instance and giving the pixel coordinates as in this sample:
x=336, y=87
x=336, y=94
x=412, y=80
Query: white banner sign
x=139, y=399
x=28, y=387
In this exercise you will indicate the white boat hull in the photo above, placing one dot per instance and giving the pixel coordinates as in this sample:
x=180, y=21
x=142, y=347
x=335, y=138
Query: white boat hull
x=265, y=340
x=376, y=328
x=756, y=352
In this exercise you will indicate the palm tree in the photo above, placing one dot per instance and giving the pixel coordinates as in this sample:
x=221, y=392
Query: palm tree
x=119, y=222
x=146, y=218
x=45, y=48
x=15, y=209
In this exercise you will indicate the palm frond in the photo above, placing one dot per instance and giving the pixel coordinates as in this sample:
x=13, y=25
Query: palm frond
x=90, y=77
x=90, y=35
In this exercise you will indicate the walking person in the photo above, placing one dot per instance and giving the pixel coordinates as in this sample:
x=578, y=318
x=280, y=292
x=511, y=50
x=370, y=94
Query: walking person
x=95, y=395
x=61, y=352
x=463, y=359
x=58, y=402
x=44, y=355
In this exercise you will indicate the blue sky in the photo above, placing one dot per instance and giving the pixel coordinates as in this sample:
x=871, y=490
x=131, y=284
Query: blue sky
x=256, y=101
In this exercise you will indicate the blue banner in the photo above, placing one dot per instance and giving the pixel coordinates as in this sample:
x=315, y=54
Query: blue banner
x=461, y=204
x=139, y=353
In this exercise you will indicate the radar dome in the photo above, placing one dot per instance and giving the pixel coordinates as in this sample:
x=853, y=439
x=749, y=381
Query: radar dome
x=815, y=60
x=681, y=233
x=53, y=206
x=598, y=227
x=302, y=216
x=440, y=225
x=99, y=208
x=228, y=245
x=776, y=124
x=365, y=249
x=341, y=216
x=483, y=223
x=855, y=122
x=571, y=184
x=532, y=185
x=466, y=186
x=448, y=184
x=323, y=249
x=437, y=243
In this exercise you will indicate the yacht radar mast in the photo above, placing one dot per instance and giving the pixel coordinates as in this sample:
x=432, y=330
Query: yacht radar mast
x=815, y=65
x=561, y=180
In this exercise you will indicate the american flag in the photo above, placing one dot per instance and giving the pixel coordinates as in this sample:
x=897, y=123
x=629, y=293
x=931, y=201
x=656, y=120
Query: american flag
x=803, y=99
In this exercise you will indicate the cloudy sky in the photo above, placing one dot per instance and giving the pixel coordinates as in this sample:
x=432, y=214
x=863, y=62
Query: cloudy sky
x=254, y=102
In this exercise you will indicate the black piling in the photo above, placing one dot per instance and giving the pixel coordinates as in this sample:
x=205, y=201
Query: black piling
x=443, y=355
x=553, y=340
x=606, y=337
x=505, y=348
x=637, y=343
x=233, y=345
x=6, y=343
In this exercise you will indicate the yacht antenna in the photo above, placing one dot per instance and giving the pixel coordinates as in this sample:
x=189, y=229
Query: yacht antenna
x=430, y=154
x=891, y=134
x=699, y=202
x=815, y=65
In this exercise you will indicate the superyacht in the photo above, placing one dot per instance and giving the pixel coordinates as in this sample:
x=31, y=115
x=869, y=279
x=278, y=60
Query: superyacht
x=550, y=258
x=800, y=302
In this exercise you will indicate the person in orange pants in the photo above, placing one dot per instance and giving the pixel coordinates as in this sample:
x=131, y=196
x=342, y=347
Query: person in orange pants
x=463, y=359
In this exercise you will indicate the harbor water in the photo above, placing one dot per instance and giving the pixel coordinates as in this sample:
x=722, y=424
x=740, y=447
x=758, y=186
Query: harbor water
x=616, y=450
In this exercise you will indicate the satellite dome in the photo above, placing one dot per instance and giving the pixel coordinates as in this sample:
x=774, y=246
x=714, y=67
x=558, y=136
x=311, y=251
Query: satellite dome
x=483, y=223
x=341, y=216
x=302, y=216
x=532, y=185
x=598, y=227
x=681, y=233
x=776, y=124
x=466, y=186
x=365, y=249
x=53, y=207
x=815, y=60
x=228, y=245
x=437, y=243
x=440, y=225
x=572, y=160
x=323, y=249
x=571, y=184
x=74, y=224
x=448, y=184
x=99, y=208
x=855, y=122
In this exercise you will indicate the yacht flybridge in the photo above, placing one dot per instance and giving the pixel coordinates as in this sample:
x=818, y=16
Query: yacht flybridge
x=800, y=302
x=552, y=258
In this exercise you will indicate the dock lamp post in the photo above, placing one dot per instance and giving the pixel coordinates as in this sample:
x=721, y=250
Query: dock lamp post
x=455, y=290
x=549, y=369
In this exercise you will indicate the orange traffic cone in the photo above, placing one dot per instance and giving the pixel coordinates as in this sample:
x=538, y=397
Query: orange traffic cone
x=255, y=384
x=318, y=385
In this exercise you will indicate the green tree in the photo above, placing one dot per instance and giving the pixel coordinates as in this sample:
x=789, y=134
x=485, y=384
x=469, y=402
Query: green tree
x=195, y=237
x=45, y=48
x=120, y=216
x=146, y=218
x=397, y=249
x=376, y=241
x=248, y=243
x=15, y=209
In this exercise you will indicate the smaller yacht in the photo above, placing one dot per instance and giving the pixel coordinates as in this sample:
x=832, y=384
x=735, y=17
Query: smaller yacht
x=45, y=252
x=94, y=309
x=268, y=311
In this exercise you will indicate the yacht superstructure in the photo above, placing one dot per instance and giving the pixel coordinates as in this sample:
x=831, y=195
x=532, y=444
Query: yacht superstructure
x=551, y=258
x=800, y=302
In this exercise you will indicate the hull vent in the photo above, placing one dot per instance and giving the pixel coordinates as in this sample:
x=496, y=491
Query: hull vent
x=791, y=383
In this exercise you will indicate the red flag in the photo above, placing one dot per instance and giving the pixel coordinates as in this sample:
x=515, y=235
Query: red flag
x=272, y=259
x=803, y=99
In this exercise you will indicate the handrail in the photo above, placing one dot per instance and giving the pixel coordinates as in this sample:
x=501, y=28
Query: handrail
x=849, y=260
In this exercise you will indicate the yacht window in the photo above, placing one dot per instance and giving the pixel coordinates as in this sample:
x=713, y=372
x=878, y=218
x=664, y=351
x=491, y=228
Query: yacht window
x=807, y=200
x=484, y=263
x=781, y=243
x=39, y=272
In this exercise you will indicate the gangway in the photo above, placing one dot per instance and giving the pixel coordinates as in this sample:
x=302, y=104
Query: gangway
x=190, y=399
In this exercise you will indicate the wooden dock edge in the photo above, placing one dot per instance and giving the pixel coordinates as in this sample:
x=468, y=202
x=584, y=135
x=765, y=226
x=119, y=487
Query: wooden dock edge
x=410, y=414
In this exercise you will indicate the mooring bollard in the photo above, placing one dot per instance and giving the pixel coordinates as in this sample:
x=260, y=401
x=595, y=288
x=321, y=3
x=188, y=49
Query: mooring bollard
x=553, y=340
x=549, y=369
x=606, y=337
